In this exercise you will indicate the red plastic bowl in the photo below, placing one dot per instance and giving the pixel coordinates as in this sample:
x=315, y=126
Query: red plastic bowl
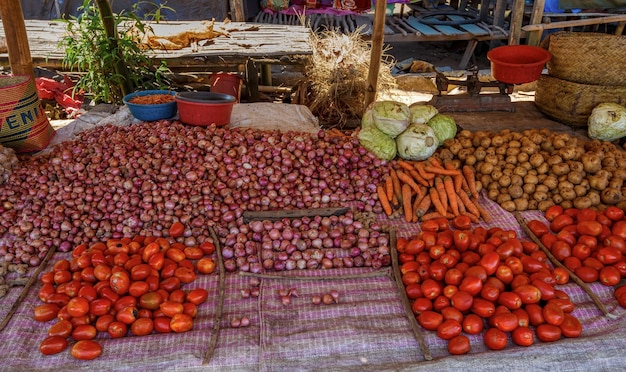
x=517, y=64
x=204, y=108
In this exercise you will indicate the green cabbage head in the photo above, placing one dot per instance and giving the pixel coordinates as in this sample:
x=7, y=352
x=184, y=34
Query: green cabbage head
x=390, y=117
x=375, y=141
x=417, y=142
x=607, y=122
x=421, y=113
x=444, y=127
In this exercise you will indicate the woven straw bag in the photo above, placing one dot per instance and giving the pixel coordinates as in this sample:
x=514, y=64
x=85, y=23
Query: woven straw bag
x=571, y=103
x=588, y=58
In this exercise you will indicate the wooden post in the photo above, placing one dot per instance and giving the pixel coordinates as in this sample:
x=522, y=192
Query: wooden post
x=517, y=17
x=236, y=11
x=16, y=38
x=378, y=36
x=534, y=37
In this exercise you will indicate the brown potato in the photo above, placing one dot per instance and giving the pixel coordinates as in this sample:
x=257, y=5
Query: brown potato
x=540, y=196
x=542, y=188
x=611, y=196
x=591, y=162
x=520, y=171
x=508, y=205
x=497, y=140
x=491, y=159
x=480, y=154
x=515, y=191
x=536, y=160
x=557, y=198
x=544, y=204
x=529, y=188
x=568, y=194
x=504, y=181
x=554, y=159
x=543, y=168
x=532, y=204
x=551, y=182
x=503, y=198
x=567, y=204
x=598, y=182
x=523, y=156
x=486, y=179
x=582, y=202
x=560, y=169
x=594, y=196
x=581, y=190
x=493, y=194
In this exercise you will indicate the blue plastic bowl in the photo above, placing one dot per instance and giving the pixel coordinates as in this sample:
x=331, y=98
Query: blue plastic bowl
x=151, y=112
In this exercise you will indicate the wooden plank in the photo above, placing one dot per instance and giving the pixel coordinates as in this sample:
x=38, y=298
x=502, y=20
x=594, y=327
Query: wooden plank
x=422, y=28
x=448, y=30
x=292, y=213
x=469, y=27
x=365, y=23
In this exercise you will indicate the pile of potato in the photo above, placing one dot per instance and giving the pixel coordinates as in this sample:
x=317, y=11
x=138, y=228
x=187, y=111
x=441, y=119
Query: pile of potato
x=537, y=168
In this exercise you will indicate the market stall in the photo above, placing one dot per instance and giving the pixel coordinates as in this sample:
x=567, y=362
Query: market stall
x=165, y=245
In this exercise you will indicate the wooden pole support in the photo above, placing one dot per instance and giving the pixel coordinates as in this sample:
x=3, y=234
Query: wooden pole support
x=236, y=10
x=16, y=38
x=517, y=17
x=376, y=52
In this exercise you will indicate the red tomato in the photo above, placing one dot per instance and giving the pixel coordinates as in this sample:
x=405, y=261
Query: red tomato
x=142, y=327
x=560, y=221
x=505, y=321
x=53, y=345
x=77, y=306
x=571, y=326
x=117, y=329
x=609, y=276
x=619, y=229
x=553, y=314
x=170, y=284
x=448, y=329
x=473, y=324
x=431, y=289
x=483, y=308
x=413, y=291
x=84, y=332
x=181, y=323
x=120, y=281
x=459, y=345
x=523, y=336
x=415, y=246
x=461, y=222
x=86, y=350
x=565, y=304
x=511, y=300
x=477, y=271
x=490, y=262
x=102, y=323
x=453, y=277
x=529, y=294
x=522, y=317
x=614, y=213
x=193, y=253
x=162, y=324
x=127, y=315
x=61, y=328
x=495, y=339
x=430, y=320
x=150, y=300
x=126, y=301
x=197, y=296
x=430, y=225
x=587, y=274
x=100, y=306
x=615, y=241
x=553, y=211
x=548, y=332
x=421, y=304
x=138, y=288
x=140, y=272
x=609, y=255
x=535, y=314
x=46, y=312
x=462, y=300
x=176, y=229
x=592, y=228
x=490, y=292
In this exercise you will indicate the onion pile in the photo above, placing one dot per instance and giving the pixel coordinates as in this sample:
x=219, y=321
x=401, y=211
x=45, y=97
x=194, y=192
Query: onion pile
x=305, y=243
x=8, y=161
x=114, y=182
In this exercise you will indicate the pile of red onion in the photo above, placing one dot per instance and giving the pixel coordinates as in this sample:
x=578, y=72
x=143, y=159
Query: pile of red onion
x=123, y=181
x=306, y=243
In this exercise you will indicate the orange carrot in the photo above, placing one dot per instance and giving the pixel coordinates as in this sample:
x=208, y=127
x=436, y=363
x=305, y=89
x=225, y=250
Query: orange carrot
x=433, y=215
x=396, y=184
x=389, y=188
x=449, y=187
x=416, y=176
x=406, y=202
x=434, y=196
x=408, y=180
x=434, y=162
x=420, y=169
x=418, y=201
x=424, y=206
x=458, y=179
x=404, y=165
x=462, y=209
x=384, y=202
x=394, y=200
x=442, y=171
x=469, y=205
x=441, y=190
x=471, y=180
x=483, y=212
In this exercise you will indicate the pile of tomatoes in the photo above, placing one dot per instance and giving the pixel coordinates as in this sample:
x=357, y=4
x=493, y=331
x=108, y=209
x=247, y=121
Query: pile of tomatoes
x=591, y=244
x=467, y=282
x=121, y=287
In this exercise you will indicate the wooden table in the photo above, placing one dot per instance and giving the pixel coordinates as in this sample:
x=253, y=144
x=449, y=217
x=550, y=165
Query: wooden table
x=248, y=48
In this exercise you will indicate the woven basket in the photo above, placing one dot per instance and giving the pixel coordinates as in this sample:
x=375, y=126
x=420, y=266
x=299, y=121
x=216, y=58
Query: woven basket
x=571, y=103
x=24, y=125
x=588, y=58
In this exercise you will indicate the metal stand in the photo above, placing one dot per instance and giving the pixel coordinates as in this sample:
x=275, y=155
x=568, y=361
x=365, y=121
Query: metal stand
x=473, y=100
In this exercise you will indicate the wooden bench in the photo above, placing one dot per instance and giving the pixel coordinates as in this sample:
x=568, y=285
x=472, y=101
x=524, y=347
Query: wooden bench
x=411, y=26
x=249, y=50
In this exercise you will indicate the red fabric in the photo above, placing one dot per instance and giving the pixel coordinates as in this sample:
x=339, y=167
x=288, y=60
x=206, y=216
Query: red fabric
x=61, y=92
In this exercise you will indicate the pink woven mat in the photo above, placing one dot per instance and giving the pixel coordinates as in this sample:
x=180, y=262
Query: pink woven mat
x=367, y=330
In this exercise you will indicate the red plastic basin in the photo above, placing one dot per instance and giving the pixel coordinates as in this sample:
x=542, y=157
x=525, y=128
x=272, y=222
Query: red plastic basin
x=517, y=64
x=204, y=108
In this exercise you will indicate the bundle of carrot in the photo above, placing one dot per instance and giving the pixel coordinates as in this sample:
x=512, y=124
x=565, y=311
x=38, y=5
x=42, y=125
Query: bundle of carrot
x=429, y=189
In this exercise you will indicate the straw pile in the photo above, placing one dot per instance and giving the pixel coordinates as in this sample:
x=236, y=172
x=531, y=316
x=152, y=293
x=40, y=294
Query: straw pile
x=335, y=82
